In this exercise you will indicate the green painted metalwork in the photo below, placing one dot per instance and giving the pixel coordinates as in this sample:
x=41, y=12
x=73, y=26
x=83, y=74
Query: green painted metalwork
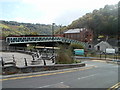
x=16, y=40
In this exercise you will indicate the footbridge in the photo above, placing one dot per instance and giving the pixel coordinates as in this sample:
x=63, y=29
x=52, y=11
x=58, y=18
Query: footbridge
x=37, y=39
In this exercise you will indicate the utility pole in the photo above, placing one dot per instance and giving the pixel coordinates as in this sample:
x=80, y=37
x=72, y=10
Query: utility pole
x=53, y=42
x=60, y=29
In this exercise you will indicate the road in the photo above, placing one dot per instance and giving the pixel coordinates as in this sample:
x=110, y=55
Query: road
x=95, y=74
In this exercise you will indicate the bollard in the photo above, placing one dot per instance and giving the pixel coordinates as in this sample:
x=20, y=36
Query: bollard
x=116, y=57
x=44, y=62
x=25, y=61
x=37, y=55
x=53, y=60
x=33, y=57
x=13, y=58
x=100, y=55
x=105, y=56
x=2, y=61
x=40, y=52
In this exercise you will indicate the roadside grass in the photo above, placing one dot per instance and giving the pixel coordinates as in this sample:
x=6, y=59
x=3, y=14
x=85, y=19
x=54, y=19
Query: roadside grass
x=76, y=61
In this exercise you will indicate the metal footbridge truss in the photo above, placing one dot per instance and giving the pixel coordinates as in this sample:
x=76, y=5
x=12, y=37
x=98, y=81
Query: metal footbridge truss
x=17, y=40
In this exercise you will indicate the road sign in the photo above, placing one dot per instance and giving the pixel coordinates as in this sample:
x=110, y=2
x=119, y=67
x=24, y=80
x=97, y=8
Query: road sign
x=79, y=51
x=110, y=51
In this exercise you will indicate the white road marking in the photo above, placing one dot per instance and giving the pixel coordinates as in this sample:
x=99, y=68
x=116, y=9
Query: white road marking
x=49, y=85
x=63, y=82
x=87, y=76
x=45, y=86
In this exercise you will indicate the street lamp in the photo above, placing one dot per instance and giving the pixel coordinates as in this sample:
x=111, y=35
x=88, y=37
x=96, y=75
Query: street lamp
x=60, y=29
x=53, y=42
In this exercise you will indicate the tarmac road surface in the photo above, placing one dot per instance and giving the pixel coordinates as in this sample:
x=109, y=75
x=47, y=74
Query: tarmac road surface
x=95, y=74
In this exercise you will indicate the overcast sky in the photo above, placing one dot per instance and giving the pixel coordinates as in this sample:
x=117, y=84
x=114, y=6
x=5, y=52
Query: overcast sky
x=49, y=11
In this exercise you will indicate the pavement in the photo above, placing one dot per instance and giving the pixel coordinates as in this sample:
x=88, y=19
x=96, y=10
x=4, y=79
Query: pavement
x=19, y=59
x=95, y=74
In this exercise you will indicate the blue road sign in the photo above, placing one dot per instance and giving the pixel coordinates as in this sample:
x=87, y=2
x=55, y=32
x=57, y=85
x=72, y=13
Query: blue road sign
x=79, y=51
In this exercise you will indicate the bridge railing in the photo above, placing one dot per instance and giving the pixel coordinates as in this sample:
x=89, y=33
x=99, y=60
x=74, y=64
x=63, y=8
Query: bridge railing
x=15, y=40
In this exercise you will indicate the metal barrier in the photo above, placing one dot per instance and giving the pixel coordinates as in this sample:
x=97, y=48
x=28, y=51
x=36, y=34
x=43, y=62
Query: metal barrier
x=16, y=40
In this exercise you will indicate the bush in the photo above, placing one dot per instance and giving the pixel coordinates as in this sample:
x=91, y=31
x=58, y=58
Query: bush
x=77, y=61
x=64, y=56
x=93, y=53
x=76, y=46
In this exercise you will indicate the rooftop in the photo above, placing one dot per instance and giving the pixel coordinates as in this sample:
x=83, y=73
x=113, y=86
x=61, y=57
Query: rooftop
x=75, y=30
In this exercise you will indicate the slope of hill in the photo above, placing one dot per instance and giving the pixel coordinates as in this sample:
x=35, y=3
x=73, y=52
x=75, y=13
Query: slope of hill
x=103, y=21
x=15, y=28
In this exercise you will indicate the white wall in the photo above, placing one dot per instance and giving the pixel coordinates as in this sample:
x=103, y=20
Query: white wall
x=103, y=46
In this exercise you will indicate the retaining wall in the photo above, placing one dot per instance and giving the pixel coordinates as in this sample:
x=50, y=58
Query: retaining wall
x=17, y=70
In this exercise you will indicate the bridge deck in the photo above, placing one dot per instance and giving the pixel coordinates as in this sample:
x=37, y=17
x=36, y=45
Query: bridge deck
x=17, y=40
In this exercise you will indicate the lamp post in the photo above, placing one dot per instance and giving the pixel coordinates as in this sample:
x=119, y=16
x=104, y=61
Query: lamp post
x=53, y=42
x=60, y=29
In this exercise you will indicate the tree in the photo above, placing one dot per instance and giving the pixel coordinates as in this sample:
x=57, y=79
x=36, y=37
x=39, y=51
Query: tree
x=103, y=21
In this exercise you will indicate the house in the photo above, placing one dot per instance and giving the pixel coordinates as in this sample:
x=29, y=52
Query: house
x=102, y=46
x=115, y=44
x=82, y=34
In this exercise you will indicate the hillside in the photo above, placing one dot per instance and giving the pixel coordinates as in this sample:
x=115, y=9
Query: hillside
x=16, y=28
x=103, y=21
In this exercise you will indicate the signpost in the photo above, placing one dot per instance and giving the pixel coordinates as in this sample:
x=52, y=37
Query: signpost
x=110, y=51
x=79, y=51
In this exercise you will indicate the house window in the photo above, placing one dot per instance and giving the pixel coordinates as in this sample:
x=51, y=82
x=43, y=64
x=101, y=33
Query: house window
x=68, y=36
x=78, y=36
x=98, y=47
x=90, y=46
x=118, y=49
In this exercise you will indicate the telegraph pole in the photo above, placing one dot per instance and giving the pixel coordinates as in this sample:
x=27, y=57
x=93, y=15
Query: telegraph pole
x=53, y=42
x=60, y=29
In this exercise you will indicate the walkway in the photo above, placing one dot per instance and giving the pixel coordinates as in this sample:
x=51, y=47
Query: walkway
x=19, y=58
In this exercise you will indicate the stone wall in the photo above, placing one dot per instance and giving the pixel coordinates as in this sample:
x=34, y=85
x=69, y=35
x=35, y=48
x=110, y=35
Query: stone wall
x=28, y=69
